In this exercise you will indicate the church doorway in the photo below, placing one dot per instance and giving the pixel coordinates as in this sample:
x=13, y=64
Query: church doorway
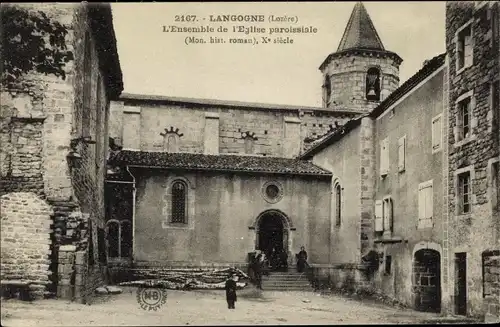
x=272, y=234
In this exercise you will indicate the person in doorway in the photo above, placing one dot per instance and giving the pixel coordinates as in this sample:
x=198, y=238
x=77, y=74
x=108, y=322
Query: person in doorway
x=301, y=259
x=231, y=291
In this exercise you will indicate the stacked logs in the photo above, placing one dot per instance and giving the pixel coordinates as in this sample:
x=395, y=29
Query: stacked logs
x=185, y=278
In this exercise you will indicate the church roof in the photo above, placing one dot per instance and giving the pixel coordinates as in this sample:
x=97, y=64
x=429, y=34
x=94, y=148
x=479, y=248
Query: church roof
x=129, y=97
x=233, y=163
x=360, y=31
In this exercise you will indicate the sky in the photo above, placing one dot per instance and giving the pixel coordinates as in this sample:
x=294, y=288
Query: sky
x=160, y=63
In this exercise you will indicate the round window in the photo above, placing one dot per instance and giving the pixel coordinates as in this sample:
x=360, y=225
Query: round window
x=272, y=191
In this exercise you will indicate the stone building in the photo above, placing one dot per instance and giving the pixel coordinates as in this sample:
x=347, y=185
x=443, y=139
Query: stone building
x=53, y=153
x=387, y=190
x=176, y=150
x=471, y=246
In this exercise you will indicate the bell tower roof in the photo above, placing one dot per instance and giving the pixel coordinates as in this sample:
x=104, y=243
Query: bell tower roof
x=360, y=33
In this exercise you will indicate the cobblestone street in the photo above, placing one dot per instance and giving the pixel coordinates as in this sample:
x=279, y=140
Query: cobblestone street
x=209, y=308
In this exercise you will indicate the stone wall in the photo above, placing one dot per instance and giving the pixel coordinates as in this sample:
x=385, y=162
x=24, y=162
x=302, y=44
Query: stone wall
x=25, y=238
x=43, y=119
x=348, y=79
x=491, y=287
x=21, y=155
x=267, y=126
x=475, y=231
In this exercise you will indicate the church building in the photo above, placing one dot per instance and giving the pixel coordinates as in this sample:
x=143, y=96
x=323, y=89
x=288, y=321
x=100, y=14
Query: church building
x=379, y=184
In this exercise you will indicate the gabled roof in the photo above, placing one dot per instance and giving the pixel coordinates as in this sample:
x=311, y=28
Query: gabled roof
x=430, y=67
x=229, y=163
x=360, y=31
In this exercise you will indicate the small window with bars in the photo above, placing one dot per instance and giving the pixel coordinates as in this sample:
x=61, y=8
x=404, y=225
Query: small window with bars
x=179, y=197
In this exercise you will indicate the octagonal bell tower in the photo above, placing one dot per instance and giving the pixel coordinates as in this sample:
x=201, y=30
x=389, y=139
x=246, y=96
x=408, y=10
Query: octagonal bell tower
x=361, y=73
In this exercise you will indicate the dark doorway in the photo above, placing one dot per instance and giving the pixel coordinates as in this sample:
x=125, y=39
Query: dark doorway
x=427, y=280
x=272, y=235
x=461, y=283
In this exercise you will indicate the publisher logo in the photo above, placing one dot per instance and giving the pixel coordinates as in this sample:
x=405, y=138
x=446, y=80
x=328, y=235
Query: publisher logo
x=151, y=299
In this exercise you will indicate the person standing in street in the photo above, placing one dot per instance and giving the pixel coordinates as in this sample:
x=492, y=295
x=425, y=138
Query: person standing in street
x=231, y=291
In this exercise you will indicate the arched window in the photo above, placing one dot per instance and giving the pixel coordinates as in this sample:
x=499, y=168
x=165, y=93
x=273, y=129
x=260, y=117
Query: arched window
x=338, y=204
x=249, y=141
x=179, y=197
x=373, y=84
x=171, y=143
x=327, y=91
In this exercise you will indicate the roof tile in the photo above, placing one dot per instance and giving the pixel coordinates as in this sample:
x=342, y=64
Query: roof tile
x=235, y=163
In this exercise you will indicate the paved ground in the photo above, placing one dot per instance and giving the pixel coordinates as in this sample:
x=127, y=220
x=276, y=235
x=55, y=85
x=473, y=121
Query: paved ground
x=209, y=308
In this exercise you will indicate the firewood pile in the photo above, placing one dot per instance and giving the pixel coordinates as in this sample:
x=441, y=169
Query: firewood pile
x=185, y=278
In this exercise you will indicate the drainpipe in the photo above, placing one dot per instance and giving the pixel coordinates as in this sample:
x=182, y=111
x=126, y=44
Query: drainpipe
x=133, y=212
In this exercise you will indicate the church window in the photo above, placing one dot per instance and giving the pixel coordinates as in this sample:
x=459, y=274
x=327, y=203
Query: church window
x=171, y=145
x=249, y=142
x=338, y=205
x=171, y=139
x=373, y=84
x=272, y=191
x=464, y=47
x=179, y=197
x=425, y=205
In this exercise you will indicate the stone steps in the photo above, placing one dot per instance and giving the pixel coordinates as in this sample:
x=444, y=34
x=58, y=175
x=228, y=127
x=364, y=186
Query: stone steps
x=286, y=281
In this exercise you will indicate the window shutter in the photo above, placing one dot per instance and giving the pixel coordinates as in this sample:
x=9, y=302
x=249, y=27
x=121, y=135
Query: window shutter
x=421, y=203
x=436, y=133
x=401, y=153
x=429, y=202
x=379, y=224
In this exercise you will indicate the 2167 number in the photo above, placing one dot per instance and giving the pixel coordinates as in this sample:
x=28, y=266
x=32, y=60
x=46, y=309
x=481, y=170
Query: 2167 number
x=185, y=18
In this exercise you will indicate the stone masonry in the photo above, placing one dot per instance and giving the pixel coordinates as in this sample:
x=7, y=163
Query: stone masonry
x=43, y=120
x=25, y=242
x=473, y=232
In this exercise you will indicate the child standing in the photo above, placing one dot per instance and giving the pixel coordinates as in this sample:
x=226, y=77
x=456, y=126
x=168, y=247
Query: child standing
x=231, y=291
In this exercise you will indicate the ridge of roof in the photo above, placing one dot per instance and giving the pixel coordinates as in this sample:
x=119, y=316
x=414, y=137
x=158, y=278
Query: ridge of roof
x=229, y=103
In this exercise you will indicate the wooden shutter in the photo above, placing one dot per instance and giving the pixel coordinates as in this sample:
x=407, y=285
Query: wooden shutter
x=436, y=133
x=387, y=211
x=421, y=203
x=402, y=153
x=429, y=201
x=379, y=218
